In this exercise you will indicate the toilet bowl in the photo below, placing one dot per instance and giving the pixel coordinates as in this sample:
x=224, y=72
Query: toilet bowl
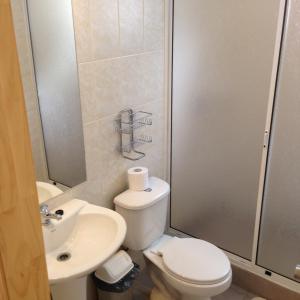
x=187, y=269
x=180, y=268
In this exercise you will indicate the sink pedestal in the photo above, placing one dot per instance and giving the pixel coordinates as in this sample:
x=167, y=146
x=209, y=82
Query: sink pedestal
x=76, y=289
x=77, y=244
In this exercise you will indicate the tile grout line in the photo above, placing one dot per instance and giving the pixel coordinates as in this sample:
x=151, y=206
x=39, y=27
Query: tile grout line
x=88, y=123
x=123, y=56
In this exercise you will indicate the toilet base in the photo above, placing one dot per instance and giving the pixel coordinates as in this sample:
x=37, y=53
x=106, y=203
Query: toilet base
x=163, y=291
x=166, y=289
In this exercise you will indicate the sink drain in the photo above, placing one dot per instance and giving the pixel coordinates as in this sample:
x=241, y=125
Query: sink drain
x=64, y=256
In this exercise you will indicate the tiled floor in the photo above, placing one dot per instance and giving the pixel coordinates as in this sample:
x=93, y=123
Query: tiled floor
x=143, y=288
x=235, y=293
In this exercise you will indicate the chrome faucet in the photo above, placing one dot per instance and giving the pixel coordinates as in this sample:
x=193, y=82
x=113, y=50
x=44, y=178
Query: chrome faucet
x=46, y=215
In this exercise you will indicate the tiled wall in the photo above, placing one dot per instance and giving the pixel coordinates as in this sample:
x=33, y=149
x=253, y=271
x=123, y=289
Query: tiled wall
x=120, y=48
x=27, y=72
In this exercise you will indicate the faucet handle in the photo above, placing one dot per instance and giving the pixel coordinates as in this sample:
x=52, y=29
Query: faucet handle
x=44, y=209
x=47, y=215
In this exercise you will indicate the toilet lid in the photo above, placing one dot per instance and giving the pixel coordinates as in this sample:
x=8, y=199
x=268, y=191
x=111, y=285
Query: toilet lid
x=195, y=261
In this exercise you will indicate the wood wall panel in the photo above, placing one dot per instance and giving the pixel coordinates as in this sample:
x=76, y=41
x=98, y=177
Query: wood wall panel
x=23, y=272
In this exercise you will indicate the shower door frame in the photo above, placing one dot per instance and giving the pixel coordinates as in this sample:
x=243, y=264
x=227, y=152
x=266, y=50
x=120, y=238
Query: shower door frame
x=248, y=265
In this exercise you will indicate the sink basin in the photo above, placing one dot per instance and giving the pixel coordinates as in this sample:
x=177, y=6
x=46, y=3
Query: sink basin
x=82, y=240
x=46, y=191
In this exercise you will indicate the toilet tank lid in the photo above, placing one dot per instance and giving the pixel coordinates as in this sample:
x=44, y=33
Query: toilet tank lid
x=137, y=200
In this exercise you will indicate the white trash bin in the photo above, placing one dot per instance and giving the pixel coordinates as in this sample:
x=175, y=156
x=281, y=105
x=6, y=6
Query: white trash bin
x=115, y=277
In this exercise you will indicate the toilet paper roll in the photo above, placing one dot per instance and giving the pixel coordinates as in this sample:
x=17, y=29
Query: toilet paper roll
x=138, y=179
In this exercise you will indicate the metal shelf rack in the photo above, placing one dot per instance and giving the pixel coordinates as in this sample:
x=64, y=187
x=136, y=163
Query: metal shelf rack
x=127, y=123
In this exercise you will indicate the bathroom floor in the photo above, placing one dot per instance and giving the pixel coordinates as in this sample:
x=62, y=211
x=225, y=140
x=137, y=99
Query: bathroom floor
x=235, y=293
x=143, y=286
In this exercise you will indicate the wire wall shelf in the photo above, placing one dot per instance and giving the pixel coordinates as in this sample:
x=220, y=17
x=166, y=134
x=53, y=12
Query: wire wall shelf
x=127, y=123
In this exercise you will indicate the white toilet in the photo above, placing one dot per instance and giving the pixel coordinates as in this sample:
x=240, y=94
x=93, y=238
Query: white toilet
x=180, y=268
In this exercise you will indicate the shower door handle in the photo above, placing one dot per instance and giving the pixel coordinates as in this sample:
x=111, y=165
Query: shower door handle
x=297, y=272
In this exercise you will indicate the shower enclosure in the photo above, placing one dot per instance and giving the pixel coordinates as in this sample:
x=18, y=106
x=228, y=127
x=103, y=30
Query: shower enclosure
x=235, y=137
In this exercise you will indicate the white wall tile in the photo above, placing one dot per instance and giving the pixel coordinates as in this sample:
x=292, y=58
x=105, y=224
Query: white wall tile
x=131, y=26
x=81, y=17
x=109, y=86
x=29, y=87
x=85, y=87
x=153, y=24
x=37, y=145
x=105, y=164
x=104, y=25
x=25, y=54
x=121, y=64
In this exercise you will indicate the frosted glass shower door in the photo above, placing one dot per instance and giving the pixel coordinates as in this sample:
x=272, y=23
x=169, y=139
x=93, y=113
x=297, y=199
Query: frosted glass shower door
x=279, y=243
x=223, y=54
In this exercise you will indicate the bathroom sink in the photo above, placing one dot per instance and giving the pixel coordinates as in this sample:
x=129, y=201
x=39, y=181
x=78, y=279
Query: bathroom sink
x=82, y=240
x=46, y=191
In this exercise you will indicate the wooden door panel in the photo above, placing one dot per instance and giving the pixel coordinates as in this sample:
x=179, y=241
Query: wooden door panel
x=23, y=272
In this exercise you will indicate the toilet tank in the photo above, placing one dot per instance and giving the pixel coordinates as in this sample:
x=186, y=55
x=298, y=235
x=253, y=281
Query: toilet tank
x=145, y=213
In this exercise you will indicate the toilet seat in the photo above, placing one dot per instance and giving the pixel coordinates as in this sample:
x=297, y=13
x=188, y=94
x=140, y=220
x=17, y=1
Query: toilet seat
x=195, y=261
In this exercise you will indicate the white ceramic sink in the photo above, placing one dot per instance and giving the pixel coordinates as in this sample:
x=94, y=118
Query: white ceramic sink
x=46, y=191
x=89, y=234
